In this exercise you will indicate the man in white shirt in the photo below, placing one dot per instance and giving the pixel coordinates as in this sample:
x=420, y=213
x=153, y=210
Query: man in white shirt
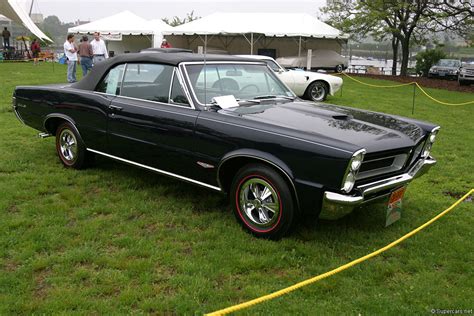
x=70, y=50
x=99, y=49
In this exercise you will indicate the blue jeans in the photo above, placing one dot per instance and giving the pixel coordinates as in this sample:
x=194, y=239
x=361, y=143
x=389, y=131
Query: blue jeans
x=98, y=59
x=71, y=71
x=6, y=43
x=86, y=64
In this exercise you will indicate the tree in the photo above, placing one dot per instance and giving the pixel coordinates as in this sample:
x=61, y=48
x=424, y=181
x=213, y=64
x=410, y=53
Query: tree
x=175, y=21
x=55, y=29
x=405, y=21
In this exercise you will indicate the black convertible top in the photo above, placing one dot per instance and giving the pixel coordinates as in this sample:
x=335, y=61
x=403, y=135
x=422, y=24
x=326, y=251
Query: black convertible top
x=92, y=79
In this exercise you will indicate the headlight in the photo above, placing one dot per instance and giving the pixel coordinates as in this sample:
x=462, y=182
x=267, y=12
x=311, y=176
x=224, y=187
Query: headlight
x=352, y=170
x=357, y=161
x=429, y=142
x=349, y=183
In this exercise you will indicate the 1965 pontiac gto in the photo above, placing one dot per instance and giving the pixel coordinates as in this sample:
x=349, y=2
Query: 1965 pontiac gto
x=229, y=124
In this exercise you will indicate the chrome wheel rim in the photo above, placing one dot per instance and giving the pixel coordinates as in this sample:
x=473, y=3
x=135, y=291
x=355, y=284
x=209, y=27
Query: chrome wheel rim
x=68, y=145
x=259, y=203
x=317, y=92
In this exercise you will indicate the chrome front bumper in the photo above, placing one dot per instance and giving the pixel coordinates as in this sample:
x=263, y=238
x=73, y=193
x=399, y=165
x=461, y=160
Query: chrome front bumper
x=336, y=205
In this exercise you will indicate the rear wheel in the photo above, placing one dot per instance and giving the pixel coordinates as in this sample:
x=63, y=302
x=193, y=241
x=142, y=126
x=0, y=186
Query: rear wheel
x=339, y=68
x=70, y=148
x=262, y=201
x=317, y=91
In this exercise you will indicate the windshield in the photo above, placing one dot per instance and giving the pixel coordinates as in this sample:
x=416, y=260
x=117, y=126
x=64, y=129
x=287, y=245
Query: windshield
x=243, y=81
x=448, y=63
x=273, y=65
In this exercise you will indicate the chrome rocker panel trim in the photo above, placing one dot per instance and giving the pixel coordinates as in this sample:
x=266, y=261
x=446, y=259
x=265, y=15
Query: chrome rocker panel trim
x=170, y=174
x=336, y=205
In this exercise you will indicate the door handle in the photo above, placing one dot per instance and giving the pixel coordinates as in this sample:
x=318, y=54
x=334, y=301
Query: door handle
x=116, y=108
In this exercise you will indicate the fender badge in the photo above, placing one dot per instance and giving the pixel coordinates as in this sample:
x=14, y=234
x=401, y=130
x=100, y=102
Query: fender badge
x=205, y=165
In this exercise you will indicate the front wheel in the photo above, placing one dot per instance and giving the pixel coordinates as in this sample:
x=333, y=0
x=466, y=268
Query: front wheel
x=339, y=68
x=317, y=91
x=262, y=201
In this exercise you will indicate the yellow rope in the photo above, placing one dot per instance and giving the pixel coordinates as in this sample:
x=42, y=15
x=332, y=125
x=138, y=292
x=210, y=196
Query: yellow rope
x=441, y=102
x=406, y=84
x=337, y=270
x=377, y=86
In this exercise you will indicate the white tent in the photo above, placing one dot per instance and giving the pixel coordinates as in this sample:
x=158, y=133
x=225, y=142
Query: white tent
x=268, y=24
x=125, y=31
x=259, y=28
x=13, y=10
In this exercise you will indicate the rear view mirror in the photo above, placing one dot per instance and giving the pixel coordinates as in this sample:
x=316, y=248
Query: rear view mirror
x=233, y=73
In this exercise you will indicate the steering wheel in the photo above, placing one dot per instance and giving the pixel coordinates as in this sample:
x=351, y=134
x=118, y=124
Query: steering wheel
x=249, y=86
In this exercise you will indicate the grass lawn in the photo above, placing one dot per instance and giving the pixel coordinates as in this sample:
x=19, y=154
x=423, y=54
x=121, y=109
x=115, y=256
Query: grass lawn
x=114, y=239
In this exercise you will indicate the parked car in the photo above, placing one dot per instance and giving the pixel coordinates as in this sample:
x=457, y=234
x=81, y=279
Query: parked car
x=230, y=125
x=466, y=74
x=305, y=84
x=445, y=68
x=320, y=59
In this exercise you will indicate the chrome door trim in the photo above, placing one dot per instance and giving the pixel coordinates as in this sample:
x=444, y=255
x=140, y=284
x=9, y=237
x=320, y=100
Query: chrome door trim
x=170, y=174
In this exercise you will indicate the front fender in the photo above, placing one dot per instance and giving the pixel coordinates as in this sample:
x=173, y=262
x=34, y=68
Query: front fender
x=258, y=155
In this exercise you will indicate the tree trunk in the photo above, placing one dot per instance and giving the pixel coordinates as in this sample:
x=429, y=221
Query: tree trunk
x=395, y=44
x=405, y=56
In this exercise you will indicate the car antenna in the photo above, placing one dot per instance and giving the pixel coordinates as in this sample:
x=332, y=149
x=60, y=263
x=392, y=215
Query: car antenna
x=205, y=70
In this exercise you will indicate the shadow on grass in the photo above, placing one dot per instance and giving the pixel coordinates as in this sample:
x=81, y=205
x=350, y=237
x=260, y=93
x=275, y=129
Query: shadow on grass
x=369, y=219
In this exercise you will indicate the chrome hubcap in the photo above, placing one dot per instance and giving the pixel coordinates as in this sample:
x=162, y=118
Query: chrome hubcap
x=317, y=93
x=259, y=202
x=68, y=145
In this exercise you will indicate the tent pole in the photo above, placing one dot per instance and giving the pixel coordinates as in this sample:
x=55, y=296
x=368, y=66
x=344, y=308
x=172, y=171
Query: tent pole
x=251, y=43
x=299, y=48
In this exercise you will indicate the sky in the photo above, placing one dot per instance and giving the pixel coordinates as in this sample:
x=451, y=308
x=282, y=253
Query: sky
x=72, y=10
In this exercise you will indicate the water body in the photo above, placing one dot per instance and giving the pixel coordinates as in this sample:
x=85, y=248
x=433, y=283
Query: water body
x=360, y=65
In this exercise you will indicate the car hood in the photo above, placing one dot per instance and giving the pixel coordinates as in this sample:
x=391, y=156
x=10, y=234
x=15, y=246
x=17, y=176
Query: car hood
x=442, y=68
x=336, y=125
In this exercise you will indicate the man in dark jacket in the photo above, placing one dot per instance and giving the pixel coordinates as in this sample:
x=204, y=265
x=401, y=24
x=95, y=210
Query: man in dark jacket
x=6, y=38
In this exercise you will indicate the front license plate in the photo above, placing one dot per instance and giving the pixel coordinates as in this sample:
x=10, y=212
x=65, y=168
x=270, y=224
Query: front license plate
x=442, y=74
x=394, y=207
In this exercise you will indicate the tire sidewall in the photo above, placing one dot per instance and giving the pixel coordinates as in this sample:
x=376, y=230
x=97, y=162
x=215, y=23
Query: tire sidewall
x=286, y=212
x=78, y=163
x=311, y=86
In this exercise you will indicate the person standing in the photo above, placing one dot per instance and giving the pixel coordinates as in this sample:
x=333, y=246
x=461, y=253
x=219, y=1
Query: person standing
x=35, y=50
x=70, y=50
x=99, y=49
x=86, y=54
x=165, y=44
x=6, y=38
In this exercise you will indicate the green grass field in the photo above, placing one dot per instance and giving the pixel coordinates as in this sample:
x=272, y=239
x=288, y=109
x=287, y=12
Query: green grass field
x=114, y=239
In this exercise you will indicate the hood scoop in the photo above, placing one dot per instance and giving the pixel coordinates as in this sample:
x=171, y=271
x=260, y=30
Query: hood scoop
x=342, y=117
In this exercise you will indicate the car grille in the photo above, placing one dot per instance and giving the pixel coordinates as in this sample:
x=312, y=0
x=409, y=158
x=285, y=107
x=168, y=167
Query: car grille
x=372, y=167
x=470, y=72
x=375, y=165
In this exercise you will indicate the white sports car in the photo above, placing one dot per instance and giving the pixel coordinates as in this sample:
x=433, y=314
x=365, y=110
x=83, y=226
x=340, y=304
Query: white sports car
x=305, y=84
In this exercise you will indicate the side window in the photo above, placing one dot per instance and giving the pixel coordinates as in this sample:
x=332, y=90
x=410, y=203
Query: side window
x=111, y=83
x=147, y=81
x=177, y=94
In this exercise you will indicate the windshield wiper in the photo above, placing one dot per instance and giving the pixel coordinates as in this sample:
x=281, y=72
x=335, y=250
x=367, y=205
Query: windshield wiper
x=271, y=96
x=249, y=101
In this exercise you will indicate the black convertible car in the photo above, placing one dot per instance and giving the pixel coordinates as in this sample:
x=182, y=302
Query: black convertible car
x=229, y=124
